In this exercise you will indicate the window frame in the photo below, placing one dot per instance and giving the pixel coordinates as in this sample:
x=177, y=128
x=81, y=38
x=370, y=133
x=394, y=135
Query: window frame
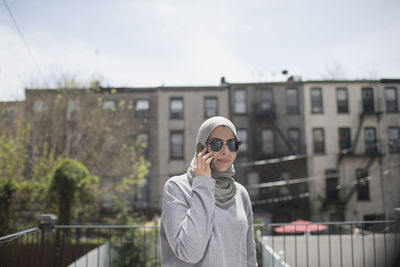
x=342, y=106
x=331, y=190
x=323, y=150
x=296, y=144
x=317, y=105
x=176, y=115
x=245, y=143
x=396, y=148
x=267, y=100
x=142, y=113
x=270, y=143
x=207, y=98
x=368, y=104
x=371, y=147
x=73, y=109
x=295, y=109
x=363, y=190
x=391, y=105
x=104, y=105
x=348, y=141
x=236, y=101
x=147, y=142
x=171, y=154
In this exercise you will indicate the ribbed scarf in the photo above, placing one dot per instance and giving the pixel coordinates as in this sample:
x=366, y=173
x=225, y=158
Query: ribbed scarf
x=225, y=188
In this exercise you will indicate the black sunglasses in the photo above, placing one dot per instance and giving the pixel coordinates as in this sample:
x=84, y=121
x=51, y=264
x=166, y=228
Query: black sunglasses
x=216, y=144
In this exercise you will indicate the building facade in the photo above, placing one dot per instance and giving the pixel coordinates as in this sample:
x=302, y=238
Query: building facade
x=352, y=148
x=93, y=126
x=319, y=150
x=12, y=116
x=270, y=121
x=181, y=112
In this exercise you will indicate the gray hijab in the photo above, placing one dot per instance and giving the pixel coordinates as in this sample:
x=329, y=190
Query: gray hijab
x=225, y=188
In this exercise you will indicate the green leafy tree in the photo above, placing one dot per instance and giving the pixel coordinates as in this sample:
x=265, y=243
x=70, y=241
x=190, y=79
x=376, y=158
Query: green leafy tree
x=79, y=124
x=12, y=165
x=72, y=189
x=7, y=190
x=71, y=123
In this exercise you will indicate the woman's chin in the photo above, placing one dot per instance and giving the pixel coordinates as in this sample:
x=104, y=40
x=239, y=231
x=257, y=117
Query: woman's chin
x=221, y=168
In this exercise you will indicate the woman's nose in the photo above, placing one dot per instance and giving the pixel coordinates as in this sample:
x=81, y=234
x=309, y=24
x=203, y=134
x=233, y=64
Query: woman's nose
x=225, y=148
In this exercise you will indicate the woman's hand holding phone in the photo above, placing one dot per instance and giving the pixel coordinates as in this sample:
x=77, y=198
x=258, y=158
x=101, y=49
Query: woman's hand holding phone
x=203, y=163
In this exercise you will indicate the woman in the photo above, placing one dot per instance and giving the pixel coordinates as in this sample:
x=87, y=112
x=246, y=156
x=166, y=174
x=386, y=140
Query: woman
x=207, y=219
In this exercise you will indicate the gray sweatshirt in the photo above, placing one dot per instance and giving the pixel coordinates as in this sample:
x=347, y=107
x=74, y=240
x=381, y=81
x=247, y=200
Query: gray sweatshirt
x=196, y=232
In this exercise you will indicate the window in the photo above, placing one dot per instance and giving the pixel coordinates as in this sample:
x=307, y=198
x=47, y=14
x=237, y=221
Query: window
x=73, y=109
x=319, y=140
x=368, y=100
x=344, y=140
x=240, y=101
x=176, y=108
x=292, y=100
x=142, y=108
x=394, y=139
x=242, y=134
x=370, y=140
x=73, y=145
x=39, y=106
x=332, y=184
x=267, y=137
x=142, y=141
x=316, y=100
x=362, y=184
x=391, y=100
x=252, y=179
x=8, y=117
x=210, y=107
x=176, y=145
x=294, y=139
x=342, y=100
x=266, y=99
x=109, y=105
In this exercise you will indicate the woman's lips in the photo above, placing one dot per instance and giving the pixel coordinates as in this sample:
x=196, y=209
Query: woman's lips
x=223, y=161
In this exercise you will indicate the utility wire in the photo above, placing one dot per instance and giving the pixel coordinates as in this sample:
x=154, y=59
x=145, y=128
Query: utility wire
x=308, y=179
x=271, y=161
x=22, y=38
x=306, y=194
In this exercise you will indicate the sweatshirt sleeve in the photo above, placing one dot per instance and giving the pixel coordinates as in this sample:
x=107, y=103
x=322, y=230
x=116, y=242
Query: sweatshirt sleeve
x=188, y=226
x=250, y=241
x=251, y=246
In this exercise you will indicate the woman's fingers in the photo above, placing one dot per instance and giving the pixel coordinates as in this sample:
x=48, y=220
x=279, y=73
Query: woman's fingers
x=203, y=161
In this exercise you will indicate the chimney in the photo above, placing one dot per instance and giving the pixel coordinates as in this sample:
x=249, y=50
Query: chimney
x=223, y=82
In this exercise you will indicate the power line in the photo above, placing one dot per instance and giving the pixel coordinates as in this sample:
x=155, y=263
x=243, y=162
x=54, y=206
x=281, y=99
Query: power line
x=307, y=179
x=306, y=194
x=22, y=37
x=271, y=161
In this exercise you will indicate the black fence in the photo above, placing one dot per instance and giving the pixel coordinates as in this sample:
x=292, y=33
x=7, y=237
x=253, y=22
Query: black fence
x=374, y=243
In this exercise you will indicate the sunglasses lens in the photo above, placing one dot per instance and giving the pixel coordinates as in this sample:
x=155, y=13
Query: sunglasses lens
x=231, y=145
x=216, y=145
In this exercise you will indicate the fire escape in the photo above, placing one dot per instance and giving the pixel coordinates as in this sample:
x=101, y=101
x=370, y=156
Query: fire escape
x=349, y=148
x=264, y=116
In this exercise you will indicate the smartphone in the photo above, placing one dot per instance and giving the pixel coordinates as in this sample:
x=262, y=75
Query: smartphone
x=200, y=148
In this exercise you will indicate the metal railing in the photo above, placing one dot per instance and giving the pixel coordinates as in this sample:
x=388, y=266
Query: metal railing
x=364, y=243
x=367, y=243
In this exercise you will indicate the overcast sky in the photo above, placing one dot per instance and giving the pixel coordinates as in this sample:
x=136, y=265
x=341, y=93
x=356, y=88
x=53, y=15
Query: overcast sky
x=195, y=42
